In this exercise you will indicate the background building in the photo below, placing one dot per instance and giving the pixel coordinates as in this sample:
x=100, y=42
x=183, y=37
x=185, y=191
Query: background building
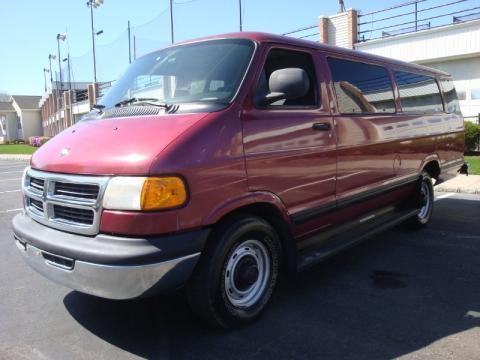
x=20, y=117
x=442, y=35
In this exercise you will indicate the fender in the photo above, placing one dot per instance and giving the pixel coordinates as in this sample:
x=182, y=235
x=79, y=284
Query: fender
x=246, y=199
x=429, y=158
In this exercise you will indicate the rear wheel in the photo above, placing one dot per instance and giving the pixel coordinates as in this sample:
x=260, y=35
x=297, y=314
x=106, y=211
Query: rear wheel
x=425, y=195
x=237, y=273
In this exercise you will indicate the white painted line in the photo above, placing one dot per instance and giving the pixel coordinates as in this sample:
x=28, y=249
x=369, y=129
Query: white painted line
x=10, y=172
x=9, y=191
x=17, y=179
x=444, y=196
x=11, y=210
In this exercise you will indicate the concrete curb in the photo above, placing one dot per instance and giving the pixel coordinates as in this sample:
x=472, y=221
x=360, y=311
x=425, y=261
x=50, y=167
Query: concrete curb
x=461, y=184
x=15, y=157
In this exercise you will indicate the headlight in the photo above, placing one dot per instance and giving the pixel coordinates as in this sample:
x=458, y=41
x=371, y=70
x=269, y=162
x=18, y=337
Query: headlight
x=142, y=193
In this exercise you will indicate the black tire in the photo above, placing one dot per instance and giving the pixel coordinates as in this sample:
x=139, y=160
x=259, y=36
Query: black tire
x=425, y=194
x=248, y=242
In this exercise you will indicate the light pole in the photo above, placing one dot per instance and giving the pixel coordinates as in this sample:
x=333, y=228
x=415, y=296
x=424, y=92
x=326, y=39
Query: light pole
x=67, y=59
x=60, y=37
x=171, y=20
x=94, y=4
x=50, y=58
x=240, y=8
x=45, y=71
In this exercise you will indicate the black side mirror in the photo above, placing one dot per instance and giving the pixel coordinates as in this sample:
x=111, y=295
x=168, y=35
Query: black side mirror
x=286, y=84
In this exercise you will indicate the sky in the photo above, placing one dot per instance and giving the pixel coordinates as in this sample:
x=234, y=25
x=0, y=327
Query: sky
x=29, y=29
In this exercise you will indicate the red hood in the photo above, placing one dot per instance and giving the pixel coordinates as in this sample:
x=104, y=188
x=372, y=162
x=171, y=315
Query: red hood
x=112, y=146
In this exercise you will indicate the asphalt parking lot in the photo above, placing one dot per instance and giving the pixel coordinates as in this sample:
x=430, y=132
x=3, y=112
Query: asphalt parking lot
x=401, y=294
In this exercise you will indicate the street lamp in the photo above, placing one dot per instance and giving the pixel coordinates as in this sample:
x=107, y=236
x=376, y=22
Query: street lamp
x=60, y=37
x=45, y=71
x=50, y=58
x=67, y=59
x=94, y=4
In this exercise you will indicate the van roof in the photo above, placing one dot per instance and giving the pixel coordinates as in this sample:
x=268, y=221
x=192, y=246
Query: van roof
x=280, y=39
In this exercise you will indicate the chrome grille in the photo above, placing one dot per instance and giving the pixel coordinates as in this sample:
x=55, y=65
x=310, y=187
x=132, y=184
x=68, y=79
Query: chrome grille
x=79, y=191
x=37, y=184
x=36, y=205
x=71, y=203
x=74, y=215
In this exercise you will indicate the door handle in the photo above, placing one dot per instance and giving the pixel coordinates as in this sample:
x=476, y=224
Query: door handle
x=323, y=126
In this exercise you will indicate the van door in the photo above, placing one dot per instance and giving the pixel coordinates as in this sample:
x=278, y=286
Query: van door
x=365, y=126
x=290, y=146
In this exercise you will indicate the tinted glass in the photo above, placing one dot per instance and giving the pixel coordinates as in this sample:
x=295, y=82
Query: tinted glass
x=475, y=94
x=361, y=88
x=418, y=93
x=451, y=99
x=209, y=71
x=281, y=59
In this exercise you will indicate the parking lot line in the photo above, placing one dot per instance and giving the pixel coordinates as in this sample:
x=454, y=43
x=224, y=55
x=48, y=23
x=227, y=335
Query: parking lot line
x=10, y=210
x=11, y=172
x=444, y=196
x=10, y=191
x=16, y=179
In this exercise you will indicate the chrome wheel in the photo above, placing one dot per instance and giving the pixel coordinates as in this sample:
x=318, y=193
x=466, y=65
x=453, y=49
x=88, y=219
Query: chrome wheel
x=426, y=198
x=247, y=273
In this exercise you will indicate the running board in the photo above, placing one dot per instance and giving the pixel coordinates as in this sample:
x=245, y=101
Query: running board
x=349, y=234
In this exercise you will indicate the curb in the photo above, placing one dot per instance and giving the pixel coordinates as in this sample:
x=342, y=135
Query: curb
x=459, y=190
x=15, y=157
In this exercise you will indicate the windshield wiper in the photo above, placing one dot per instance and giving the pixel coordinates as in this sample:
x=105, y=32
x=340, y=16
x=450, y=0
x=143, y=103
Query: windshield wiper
x=148, y=101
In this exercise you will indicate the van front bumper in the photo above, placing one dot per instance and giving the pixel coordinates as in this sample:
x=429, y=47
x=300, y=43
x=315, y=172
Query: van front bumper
x=109, y=266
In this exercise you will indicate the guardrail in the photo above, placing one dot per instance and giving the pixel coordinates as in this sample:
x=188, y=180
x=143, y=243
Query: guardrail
x=415, y=16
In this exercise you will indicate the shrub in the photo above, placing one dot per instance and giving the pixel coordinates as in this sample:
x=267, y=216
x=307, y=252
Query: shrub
x=43, y=140
x=472, y=135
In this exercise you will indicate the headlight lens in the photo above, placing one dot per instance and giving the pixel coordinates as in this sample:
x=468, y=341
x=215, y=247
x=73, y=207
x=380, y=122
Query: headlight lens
x=142, y=193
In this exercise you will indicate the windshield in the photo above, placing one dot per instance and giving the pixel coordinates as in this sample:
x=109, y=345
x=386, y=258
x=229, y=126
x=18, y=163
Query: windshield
x=209, y=71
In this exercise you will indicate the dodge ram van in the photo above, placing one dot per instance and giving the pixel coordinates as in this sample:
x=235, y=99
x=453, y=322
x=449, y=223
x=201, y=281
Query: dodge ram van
x=214, y=164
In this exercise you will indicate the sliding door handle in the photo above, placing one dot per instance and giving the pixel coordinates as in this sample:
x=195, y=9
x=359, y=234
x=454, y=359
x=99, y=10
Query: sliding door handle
x=323, y=126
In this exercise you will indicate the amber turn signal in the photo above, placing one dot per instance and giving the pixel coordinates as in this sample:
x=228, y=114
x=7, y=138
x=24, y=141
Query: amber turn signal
x=163, y=193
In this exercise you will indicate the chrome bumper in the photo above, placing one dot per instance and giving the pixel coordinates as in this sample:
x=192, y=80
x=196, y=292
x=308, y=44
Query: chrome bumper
x=108, y=281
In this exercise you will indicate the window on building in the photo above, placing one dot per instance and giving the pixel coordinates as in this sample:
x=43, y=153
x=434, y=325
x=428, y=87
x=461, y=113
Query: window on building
x=451, y=99
x=475, y=94
x=418, y=93
x=361, y=88
x=281, y=59
x=3, y=125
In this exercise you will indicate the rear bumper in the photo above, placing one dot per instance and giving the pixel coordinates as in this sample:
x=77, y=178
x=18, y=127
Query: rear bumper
x=108, y=266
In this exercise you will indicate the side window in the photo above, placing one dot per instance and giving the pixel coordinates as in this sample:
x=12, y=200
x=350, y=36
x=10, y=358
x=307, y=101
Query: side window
x=281, y=59
x=418, y=93
x=361, y=88
x=451, y=98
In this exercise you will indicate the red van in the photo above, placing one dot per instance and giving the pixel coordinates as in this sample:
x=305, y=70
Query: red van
x=217, y=162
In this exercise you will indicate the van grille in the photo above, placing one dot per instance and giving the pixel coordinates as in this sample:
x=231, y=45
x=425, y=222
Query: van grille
x=79, y=191
x=36, y=205
x=71, y=203
x=74, y=215
x=37, y=184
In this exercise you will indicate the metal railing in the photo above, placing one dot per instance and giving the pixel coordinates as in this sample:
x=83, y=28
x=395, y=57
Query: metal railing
x=415, y=16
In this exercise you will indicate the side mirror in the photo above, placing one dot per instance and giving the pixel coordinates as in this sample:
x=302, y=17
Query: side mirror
x=286, y=84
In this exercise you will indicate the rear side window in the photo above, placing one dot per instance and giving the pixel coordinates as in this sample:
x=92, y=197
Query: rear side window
x=418, y=93
x=361, y=88
x=451, y=99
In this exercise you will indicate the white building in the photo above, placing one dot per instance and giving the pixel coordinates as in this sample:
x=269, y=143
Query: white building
x=433, y=33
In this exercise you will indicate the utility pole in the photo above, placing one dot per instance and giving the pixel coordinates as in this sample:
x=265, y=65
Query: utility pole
x=45, y=71
x=129, y=45
x=94, y=4
x=240, y=9
x=171, y=20
x=60, y=37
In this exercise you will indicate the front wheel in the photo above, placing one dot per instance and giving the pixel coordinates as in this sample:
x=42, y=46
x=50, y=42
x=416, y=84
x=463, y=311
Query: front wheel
x=237, y=273
x=425, y=194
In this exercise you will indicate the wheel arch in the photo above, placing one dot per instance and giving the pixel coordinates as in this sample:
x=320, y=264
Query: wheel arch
x=268, y=207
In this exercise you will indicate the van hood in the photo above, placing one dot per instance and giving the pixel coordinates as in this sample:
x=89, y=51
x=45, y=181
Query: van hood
x=121, y=146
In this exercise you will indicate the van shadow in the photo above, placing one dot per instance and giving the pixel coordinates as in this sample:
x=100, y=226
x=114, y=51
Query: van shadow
x=392, y=295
